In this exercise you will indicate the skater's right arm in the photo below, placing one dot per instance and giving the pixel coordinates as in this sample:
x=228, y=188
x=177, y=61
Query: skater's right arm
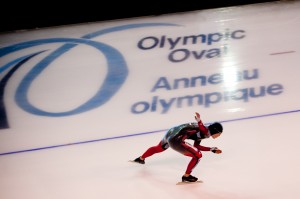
x=205, y=148
x=201, y=126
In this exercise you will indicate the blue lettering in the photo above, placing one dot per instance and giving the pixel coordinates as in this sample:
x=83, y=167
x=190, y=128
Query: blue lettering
x=234, y=34
x=212, y=98
x=240, y=94
x=182, y=54
x=148, y=43
x=140, y=107
x=166, y=105
x=161, y=83
x=214, y=37
x=215, y=52
x=275, y=89
x=215, y=79
x=206, y=99
x=199, y=55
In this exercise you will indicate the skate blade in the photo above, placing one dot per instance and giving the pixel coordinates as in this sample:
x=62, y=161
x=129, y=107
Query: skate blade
x=183, y=183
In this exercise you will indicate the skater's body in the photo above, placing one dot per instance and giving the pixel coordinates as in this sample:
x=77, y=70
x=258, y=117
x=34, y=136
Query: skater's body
x=175, y=138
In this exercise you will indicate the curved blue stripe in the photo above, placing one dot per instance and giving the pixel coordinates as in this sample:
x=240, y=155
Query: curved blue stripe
x=125, y=27
x=117, y=72
x=9, y=64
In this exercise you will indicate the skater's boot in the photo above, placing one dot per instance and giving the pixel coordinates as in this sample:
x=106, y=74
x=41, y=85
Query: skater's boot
x=139, y=160
x=189, y=178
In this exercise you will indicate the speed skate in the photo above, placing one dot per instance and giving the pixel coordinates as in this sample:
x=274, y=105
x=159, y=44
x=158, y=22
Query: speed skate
x=185, y=182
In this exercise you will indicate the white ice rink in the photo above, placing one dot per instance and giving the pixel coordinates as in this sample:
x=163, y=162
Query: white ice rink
x=68, y=130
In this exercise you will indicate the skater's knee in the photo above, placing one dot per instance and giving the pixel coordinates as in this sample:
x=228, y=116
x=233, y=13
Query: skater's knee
x=164, y=146
x=198, y=155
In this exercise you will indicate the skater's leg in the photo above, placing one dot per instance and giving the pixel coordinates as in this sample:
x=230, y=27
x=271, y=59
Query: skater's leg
x=153, y=150
x=188, y=150
x=192, y=164
x=162, y=146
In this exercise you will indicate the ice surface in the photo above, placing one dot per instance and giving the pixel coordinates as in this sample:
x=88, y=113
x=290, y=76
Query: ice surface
x=86, y=155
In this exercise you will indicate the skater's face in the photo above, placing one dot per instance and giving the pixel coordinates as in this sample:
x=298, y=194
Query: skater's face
x=216, y=135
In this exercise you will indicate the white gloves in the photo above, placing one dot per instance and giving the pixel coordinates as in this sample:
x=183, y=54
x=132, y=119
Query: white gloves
x=197, y=117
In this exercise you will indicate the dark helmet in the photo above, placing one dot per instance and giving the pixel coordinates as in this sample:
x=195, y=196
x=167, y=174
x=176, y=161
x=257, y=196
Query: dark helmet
x=215, y=128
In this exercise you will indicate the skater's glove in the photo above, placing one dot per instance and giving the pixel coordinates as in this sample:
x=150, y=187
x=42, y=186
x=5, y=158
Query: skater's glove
x=197, y=117
x=215, y=150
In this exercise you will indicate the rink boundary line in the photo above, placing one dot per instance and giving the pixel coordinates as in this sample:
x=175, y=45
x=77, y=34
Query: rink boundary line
x=137, y=134
x=258, y=116
x=285, y=52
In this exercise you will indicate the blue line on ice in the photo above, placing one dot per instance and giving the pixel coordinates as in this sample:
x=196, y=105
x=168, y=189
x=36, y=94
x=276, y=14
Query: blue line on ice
x=137, y=134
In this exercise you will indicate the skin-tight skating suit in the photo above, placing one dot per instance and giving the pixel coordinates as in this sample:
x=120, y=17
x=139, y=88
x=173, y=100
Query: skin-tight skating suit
x=175, y=138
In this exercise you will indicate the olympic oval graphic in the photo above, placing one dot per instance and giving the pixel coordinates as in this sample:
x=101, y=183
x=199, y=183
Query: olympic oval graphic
x=117, y=70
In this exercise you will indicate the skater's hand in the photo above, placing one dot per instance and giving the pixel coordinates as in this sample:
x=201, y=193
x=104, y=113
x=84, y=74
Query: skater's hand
x=197, y=117
x=215, y=150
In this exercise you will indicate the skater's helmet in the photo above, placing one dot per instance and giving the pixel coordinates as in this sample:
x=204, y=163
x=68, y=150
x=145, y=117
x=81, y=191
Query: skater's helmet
x=215, y=128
